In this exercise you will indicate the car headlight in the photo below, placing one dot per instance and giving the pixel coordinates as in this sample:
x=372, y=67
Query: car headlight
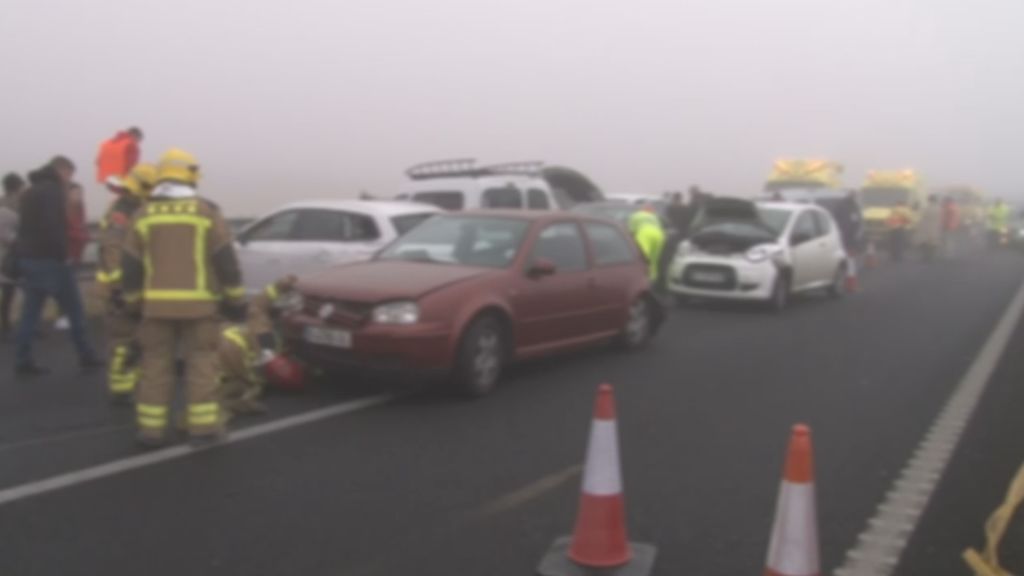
x=397, y=313
x=684, y=250
x=763, y=252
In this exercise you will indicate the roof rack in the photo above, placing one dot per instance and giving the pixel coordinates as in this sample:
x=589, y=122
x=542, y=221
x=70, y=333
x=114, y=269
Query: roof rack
x=467, y=168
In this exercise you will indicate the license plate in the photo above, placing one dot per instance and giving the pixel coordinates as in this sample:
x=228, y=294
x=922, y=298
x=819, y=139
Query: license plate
x=708, y=277
x=332, y=337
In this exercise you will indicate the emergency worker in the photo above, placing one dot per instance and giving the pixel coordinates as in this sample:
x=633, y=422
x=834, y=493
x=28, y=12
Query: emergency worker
x=123, y=349
x=898, y=225
x=248, y=351
x=179, y=271
x=646, y=229
x=997, y=222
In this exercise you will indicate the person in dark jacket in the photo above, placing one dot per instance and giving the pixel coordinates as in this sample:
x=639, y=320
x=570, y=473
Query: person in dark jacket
x=847, y=214
x=13, y=186
x=45, y=267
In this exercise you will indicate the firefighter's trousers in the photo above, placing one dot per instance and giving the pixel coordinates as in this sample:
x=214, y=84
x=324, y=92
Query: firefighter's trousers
x=122, y=352
x=163, y=341
x=241, y=385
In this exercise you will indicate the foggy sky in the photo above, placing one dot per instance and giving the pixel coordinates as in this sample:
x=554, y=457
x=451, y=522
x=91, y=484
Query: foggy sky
x=298, y=99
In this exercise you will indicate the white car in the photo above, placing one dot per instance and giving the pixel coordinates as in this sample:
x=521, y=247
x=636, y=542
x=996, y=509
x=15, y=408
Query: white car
x=307, y=236
x=463, y=185
x=765, y=251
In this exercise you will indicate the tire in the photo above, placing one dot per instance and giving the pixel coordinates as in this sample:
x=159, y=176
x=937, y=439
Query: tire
x=639, y=325
x=780, y=294
x=838, y=288
x=481, y=358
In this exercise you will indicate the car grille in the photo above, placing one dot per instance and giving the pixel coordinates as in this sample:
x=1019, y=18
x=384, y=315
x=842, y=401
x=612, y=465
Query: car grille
x=346, y=313
x=698, y=276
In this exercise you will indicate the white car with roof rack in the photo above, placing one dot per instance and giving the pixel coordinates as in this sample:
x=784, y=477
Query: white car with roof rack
x=763, y=251
x=305, y=237
x=463, y=185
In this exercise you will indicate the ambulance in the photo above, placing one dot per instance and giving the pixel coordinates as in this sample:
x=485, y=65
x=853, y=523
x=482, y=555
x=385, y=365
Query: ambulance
x=884, y=190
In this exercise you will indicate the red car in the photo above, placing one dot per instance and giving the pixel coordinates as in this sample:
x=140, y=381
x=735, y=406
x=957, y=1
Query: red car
x=463, y=294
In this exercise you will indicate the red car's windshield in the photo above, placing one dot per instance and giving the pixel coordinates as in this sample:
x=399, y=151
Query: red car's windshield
x=487, y=242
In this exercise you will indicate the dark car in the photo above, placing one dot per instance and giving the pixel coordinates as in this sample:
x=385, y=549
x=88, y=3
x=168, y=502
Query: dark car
x=464, y=294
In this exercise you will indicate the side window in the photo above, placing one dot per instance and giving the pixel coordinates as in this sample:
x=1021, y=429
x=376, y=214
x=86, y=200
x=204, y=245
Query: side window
x=335, y=226
x=563, y=246
x=609, y=244
x=806, y=227
x=320, y=226
x=507, y=197
x=824, y=223
x=274, y=228
x=537, y=200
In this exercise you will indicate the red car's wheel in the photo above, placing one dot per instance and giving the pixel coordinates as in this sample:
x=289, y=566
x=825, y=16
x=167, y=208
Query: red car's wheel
x=481, y=357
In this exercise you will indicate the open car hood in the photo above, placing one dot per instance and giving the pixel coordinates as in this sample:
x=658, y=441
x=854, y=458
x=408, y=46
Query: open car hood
x=730, y=226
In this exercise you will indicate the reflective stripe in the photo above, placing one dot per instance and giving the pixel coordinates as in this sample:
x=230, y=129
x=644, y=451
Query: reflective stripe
x=206, y=408
x=151, y=409
x=199, y=248
x=149, y=422
x=181, y=295
x=132, y=297
x=123, y=384
x=235, y=335
x=272, y=292
x=235, y=292
x=108, y=278
x=205, y=420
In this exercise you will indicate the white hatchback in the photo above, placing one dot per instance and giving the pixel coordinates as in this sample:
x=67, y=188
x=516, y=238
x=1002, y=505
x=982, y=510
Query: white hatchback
x=305, y=237
x=765, y=251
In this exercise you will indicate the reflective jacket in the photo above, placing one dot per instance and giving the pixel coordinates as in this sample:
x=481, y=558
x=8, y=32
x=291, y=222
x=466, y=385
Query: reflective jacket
x=179, y=260
x=113, y=233
x=650, y=237
x=117, y=156
x=899, y=218
x=998, y=217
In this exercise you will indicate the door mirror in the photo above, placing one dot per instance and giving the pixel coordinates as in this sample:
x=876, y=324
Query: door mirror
x=540, y=268
x=799, y=238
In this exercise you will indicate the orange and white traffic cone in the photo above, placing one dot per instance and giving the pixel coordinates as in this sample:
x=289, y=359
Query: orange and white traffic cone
x=852, y=281
x=793, y=550
x=599, y=543
x=871, y=257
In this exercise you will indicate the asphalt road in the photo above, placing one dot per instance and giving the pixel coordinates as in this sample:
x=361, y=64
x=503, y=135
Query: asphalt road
x=430, y=485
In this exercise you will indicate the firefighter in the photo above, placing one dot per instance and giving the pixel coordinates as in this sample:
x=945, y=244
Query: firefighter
x=179, y=271
x=898, y=223
x=247, y=350
x=646, y=229
x=123, y=352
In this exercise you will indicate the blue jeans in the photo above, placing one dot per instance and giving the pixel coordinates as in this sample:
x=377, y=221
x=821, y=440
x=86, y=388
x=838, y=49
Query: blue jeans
x=44, y=279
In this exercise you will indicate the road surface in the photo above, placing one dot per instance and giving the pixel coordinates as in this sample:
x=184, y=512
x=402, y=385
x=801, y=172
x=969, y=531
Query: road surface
x=428, y=485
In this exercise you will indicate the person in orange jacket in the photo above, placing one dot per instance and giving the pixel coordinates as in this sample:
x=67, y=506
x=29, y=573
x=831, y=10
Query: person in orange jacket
x=118, y=155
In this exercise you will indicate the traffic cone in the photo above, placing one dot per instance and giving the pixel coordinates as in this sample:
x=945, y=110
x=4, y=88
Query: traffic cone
x=599, y=544
x=852, y=281
x=871, y=257
x=793, y=550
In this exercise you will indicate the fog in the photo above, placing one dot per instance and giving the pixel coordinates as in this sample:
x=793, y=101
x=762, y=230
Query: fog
x=320, y=98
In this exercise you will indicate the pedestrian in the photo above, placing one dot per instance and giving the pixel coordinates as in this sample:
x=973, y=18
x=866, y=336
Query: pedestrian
x=179, y=271
x=122, y=345
x=13, y=185
x=247, y=349
x=45, y=265
x=898, y=225
x=928, y=234
x=118, y=155
x=951, y=224
x=848, y=215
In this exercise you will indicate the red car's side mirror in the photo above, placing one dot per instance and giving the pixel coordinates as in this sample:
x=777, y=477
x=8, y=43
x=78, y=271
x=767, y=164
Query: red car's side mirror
x=540, y=268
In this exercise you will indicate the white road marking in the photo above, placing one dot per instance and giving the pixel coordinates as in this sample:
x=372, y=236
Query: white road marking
x=531, y=491
x=70, y=479
x=879, y=546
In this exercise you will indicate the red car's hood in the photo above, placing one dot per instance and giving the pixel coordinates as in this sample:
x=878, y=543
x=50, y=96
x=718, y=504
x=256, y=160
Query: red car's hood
x=380, y=281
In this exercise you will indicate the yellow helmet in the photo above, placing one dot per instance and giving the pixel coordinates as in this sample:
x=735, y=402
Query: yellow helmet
x=141, y=180
x=178, y=165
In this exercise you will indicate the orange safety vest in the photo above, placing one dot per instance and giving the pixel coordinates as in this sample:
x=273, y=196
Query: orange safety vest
x=898, y=219
x=113, y=158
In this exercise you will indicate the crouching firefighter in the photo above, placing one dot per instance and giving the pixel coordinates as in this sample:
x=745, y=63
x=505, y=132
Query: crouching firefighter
x=180, y=272
x=123, y=349
x=252, y=355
